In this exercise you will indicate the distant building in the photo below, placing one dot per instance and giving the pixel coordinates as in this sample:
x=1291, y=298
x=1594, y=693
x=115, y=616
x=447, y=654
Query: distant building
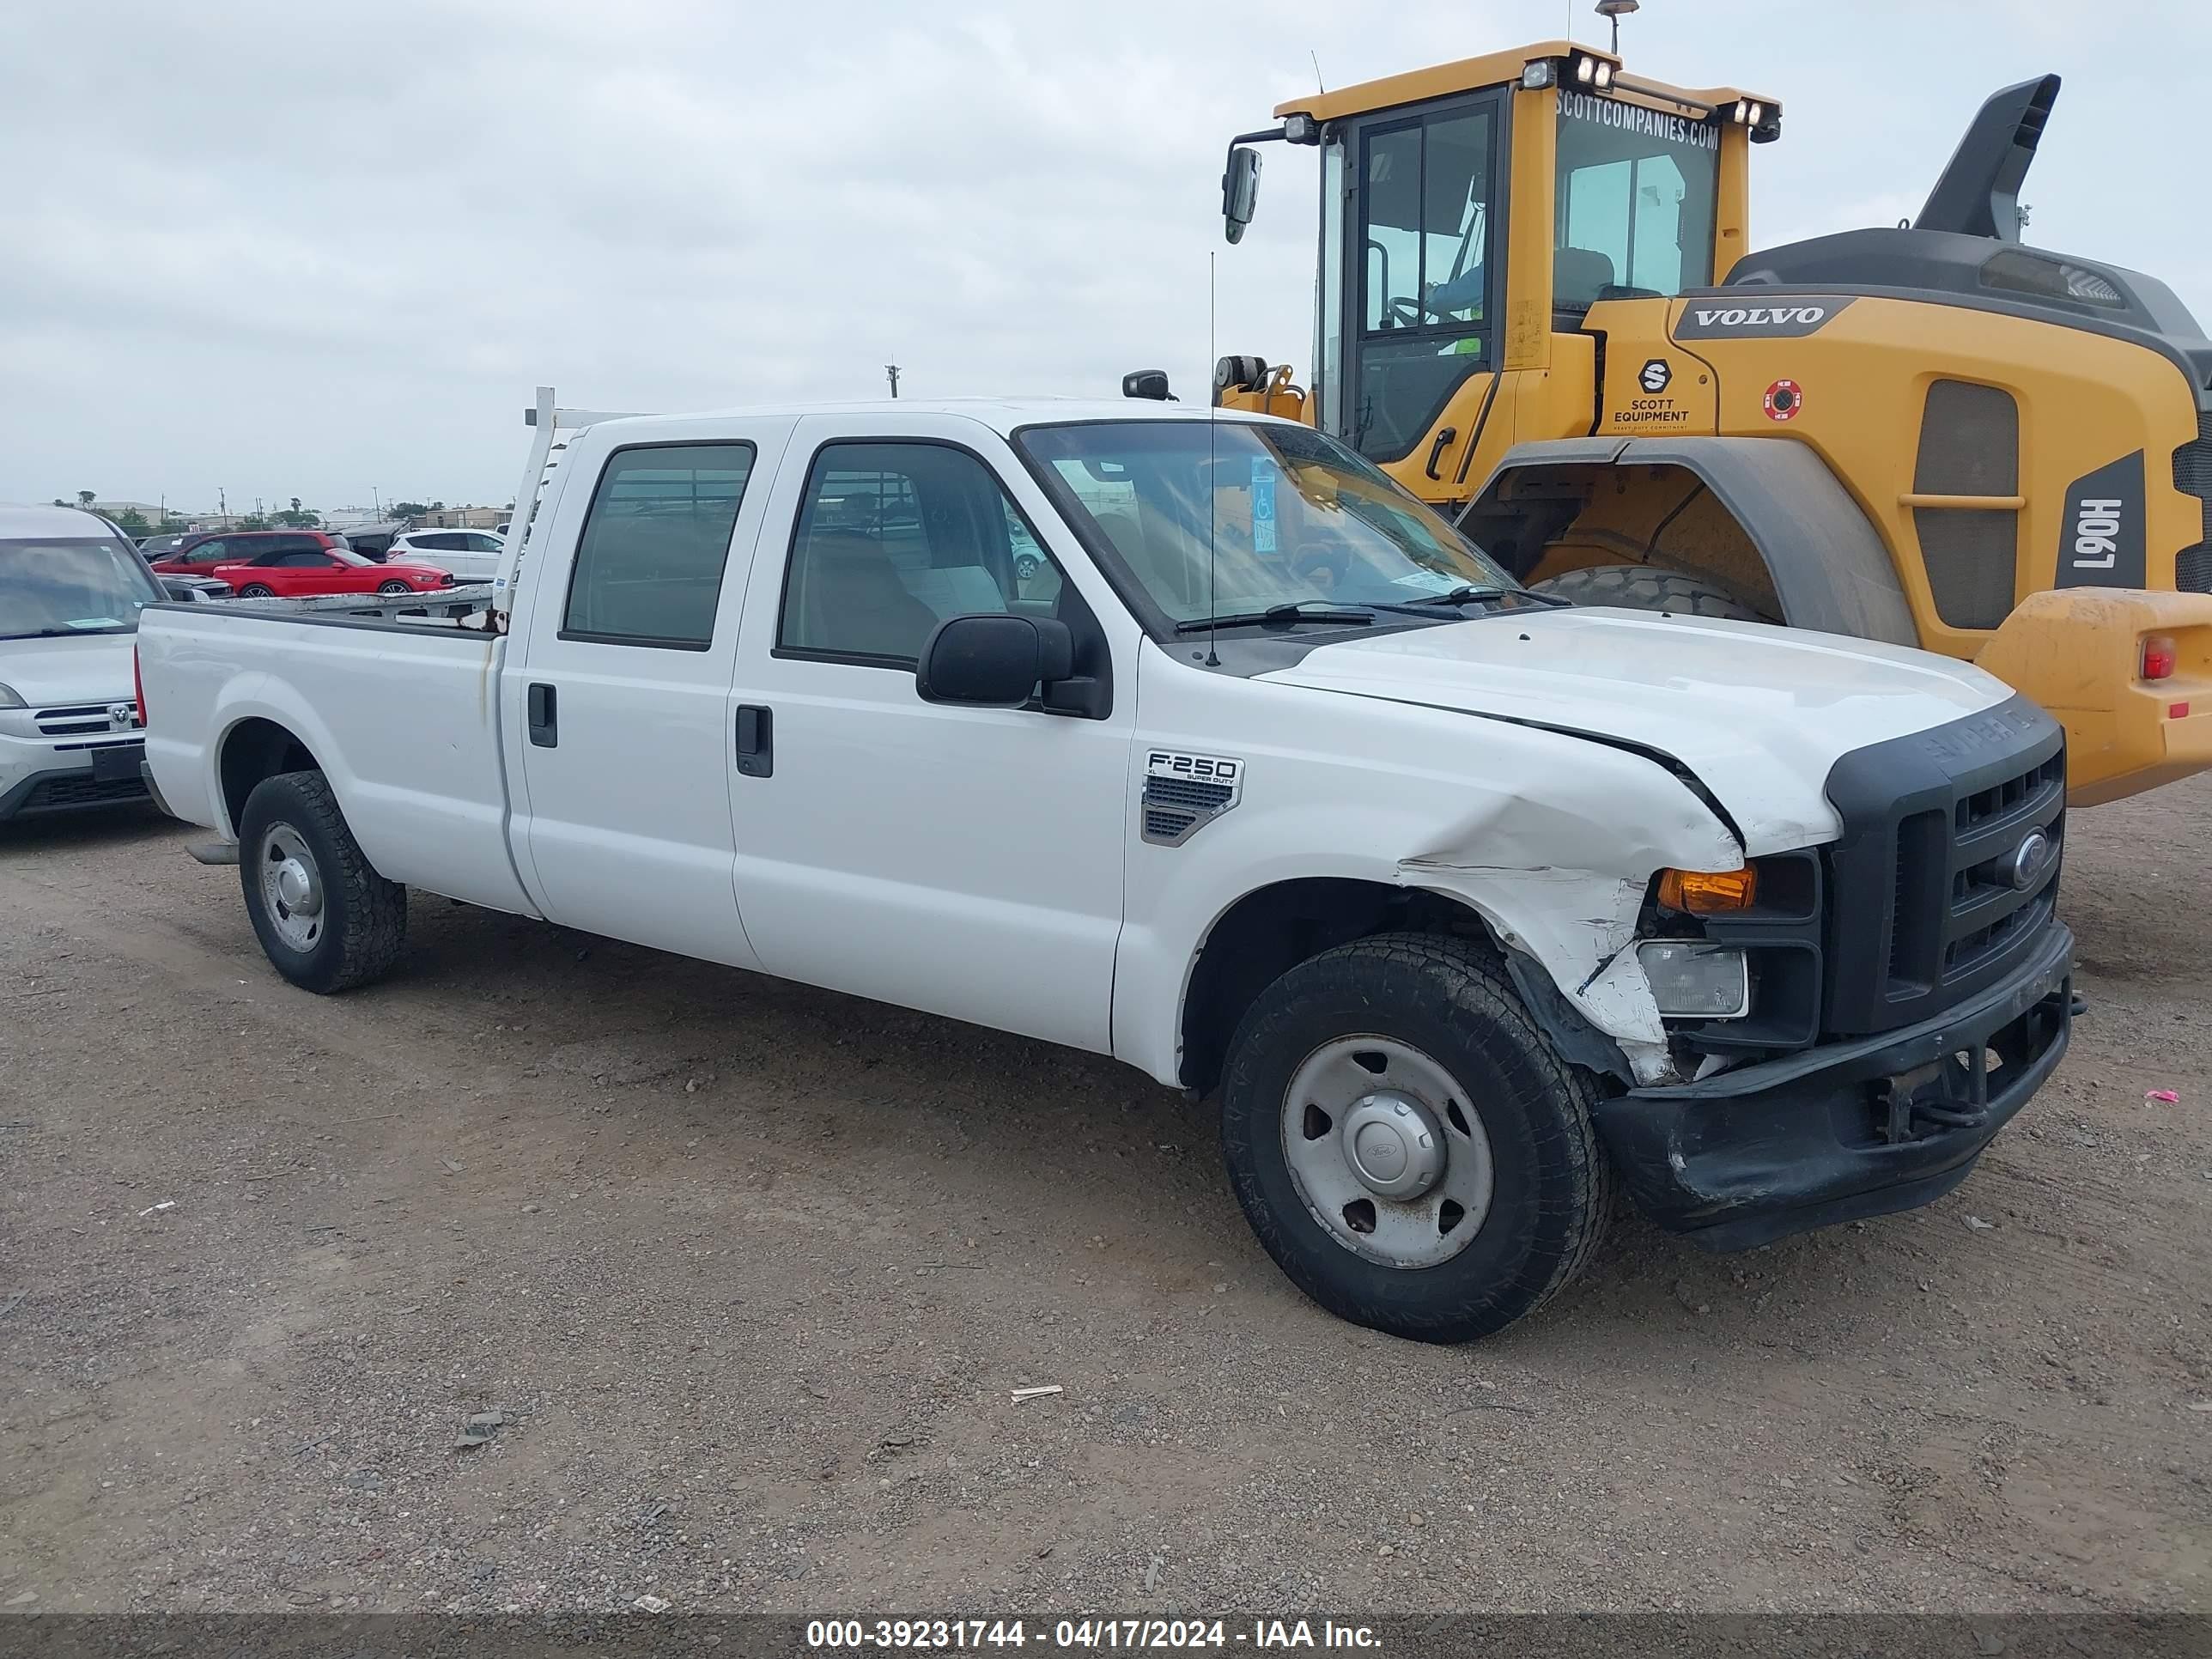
x=462, y=518
x=152, y=512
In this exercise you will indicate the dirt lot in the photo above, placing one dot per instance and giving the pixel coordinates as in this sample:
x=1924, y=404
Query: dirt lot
x=751, y=1270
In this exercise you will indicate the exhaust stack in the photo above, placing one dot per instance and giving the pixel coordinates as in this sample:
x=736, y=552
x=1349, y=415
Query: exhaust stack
x=1979, y=194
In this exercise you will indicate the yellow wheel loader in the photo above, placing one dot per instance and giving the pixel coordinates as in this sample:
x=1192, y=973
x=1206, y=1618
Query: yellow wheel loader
x=1539, y=309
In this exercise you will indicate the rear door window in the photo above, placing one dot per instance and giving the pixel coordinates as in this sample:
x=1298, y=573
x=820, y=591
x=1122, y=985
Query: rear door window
x=649, y=564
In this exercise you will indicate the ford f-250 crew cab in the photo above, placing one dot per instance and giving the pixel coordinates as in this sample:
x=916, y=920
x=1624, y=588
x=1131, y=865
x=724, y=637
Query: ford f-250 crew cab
x=1196, y=742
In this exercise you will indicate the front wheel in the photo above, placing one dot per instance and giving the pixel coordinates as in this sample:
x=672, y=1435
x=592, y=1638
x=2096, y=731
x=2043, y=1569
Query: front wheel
x=326, y=920
x=392, y=587
x=1406, y=1143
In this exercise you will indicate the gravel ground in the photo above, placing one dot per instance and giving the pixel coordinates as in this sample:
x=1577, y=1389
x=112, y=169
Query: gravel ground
x=750, y=1270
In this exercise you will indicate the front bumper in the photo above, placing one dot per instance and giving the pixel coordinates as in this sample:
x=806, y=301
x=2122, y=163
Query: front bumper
x=1849, y=1129
x=67, y=782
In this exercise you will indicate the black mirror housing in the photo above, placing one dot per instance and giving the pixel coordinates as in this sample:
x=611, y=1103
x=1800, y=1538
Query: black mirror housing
x=1240, y=191
x=993, y=660
x=1150, y=383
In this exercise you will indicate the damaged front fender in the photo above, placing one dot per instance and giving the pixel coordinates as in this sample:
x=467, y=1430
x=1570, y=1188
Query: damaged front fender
x=1579, y=923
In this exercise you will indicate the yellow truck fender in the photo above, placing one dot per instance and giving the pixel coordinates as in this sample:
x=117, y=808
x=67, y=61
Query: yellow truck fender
x=1829, y=568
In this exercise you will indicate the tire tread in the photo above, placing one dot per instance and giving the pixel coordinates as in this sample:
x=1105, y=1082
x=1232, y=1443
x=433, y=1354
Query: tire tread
x=374, y=910
x=1648, y=588
x=1487, y=1013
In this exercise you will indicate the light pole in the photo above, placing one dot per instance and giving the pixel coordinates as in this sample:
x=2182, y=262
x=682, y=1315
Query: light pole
x=891, y=372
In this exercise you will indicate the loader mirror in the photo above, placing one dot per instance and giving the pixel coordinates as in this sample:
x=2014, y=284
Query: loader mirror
x=1240, y=191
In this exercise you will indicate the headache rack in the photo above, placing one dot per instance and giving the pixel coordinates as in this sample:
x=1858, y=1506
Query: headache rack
x=548, y=420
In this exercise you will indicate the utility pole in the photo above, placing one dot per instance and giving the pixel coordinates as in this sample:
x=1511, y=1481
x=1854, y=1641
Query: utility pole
x=222, y=504
x=892, y=370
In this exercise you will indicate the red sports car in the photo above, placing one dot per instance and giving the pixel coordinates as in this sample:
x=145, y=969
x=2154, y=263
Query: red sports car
x=309, y=572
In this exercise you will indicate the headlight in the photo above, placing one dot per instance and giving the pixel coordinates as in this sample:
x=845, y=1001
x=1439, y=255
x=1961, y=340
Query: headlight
x=1692, y=980
x=9, y=698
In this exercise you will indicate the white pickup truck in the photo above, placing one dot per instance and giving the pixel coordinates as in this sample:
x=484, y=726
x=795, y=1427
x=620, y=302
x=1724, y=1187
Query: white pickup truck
x=1196, y=742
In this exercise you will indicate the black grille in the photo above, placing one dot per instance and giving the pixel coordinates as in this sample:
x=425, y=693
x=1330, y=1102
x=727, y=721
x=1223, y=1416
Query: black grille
x=75, y=721
x=2192, y=474
x=53, y=795
x=1926, y=909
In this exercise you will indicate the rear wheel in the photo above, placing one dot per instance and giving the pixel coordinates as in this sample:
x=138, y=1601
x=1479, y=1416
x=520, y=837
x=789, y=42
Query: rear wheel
x=1644, y=587
x=257, y=590
x=1406, y=1143
x=326, y=919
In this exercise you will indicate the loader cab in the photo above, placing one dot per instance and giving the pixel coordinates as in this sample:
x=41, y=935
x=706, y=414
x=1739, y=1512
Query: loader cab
x=1470, y=216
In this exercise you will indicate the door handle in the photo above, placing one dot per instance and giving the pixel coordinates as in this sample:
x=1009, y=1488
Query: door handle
x=544, y=716
x=756, y=740
x=1436, y=451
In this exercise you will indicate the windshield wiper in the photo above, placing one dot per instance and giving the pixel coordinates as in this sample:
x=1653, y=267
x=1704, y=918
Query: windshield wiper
x=1469, y=594
x=67, y=633
x=1283, y=616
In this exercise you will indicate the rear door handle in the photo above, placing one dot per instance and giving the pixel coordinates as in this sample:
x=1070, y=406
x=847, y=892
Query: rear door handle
x=544, y=716
x=756, y=740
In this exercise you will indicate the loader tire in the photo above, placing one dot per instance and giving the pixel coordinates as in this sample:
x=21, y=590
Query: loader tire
x=326, y=920
x=1644, y=588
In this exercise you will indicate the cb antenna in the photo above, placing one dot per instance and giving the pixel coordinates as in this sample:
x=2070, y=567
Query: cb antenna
x=1212, y=410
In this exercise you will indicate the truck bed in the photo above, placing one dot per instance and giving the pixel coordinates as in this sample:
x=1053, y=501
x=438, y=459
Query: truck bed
x=401, y=712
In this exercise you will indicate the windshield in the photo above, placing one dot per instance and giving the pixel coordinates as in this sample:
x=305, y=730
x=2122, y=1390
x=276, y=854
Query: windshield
x=1635, y=199
x=347, y=555
x=1293, y=517
x=93, y=584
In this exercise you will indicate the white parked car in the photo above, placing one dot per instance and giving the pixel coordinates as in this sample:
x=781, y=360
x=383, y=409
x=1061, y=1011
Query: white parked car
x=472, y=555
x=71, y=588
x=1469, y=904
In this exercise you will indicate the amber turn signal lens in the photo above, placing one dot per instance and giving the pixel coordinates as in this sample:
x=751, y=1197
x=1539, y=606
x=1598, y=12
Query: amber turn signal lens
x=1701, y=892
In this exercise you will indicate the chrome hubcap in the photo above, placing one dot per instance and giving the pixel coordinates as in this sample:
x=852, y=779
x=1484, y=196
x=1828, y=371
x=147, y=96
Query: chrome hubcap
x=291, y=886
x=1387, y=1151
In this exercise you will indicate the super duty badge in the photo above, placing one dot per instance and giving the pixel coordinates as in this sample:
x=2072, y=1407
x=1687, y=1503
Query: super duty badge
x=1183, y=793
x=1783, y=318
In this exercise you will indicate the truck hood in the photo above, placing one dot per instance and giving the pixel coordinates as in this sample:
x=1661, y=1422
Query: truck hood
x=1758, y=714
x=48, y=673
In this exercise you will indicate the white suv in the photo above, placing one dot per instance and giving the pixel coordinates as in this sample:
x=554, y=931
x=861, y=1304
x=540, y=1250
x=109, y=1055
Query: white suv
x=472, y=555
x=71, y=587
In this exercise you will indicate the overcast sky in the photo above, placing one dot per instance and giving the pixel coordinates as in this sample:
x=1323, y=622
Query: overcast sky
x=296, y=249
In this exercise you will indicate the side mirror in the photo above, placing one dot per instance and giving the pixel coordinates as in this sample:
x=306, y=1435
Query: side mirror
x=1152, y=383
x=993, y=660
x=1240, y=191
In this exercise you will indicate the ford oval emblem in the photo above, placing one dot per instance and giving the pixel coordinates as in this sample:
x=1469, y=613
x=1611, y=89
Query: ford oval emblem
x=2029, y=860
